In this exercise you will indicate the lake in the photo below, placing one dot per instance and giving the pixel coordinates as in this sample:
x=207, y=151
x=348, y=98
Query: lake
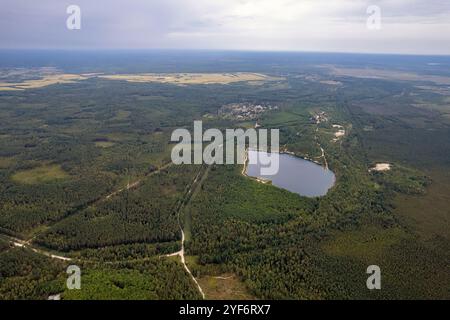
x=295, y=174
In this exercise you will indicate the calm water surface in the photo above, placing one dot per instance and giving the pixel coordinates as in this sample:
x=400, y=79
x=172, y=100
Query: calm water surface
x=295, y=174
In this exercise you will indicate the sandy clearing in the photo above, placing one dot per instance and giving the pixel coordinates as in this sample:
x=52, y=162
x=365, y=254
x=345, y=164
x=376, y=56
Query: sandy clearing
x=331, y=82
x=381, y=167
x=339, y=133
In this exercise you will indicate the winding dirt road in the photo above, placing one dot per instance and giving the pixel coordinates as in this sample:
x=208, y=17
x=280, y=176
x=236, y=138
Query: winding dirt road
x=184, y=202
x=183, y=261
x=16, y=242
x=27, y=244
x=316, y=138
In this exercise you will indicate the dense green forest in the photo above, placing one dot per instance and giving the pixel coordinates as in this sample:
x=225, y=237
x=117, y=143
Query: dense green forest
x=24, y=275
x=143, y=215
x=85, y=173
x=156, y=278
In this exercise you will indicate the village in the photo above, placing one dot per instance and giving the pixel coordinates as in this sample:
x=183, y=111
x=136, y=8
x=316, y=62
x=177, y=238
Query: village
x=244, y=111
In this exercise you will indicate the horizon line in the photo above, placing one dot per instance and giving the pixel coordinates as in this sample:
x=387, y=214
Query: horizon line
x=226, y=50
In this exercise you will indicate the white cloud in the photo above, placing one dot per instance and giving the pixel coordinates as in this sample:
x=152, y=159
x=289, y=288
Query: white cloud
x=322, y=25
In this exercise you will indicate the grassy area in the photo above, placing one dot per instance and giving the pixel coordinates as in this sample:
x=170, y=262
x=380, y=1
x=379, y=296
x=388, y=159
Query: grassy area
x=224, y=287
x=122, y=115
x=42, y=174
x=429, y=214
x=6, y=162
x=216, y=284
x=367, y=244
x=104, y=144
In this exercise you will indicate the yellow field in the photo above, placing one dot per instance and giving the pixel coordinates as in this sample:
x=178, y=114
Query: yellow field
x=47, y=80
x=174, y=78
x=192, y=78
x=40, y=174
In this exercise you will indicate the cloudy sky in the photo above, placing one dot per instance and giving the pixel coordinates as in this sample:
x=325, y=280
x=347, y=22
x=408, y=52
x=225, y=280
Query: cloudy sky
x=407, y=26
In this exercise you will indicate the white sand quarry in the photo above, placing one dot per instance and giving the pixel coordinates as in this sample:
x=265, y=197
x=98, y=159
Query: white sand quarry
x=338, y=134
x=381, y=167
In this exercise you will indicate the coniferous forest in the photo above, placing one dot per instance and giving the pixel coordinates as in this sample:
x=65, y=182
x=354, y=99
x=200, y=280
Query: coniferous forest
x=86, y=179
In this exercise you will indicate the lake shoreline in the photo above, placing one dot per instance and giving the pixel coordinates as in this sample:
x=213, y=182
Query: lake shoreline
x=319, y=182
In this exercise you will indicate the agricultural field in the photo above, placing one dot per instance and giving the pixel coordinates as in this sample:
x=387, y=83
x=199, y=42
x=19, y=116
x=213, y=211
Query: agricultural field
x=193, y=78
